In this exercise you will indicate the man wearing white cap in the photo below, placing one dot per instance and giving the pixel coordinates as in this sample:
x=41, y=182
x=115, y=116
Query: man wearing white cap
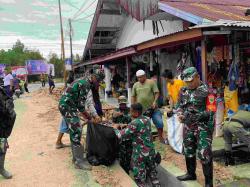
x=146, y=92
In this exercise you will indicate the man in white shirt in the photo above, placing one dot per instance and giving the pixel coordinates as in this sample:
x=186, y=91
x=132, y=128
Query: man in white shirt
x=8, y=82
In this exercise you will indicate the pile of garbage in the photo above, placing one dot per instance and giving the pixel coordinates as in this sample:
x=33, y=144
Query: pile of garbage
x=105, y=176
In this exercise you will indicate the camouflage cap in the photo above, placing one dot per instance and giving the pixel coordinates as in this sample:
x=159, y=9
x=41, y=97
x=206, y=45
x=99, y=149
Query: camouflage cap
x=122, y=99
x=99, y=76
x=188, y=74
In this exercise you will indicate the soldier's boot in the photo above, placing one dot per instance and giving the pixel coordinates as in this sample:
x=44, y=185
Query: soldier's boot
x=156, y=183
x=3, y=172
x=73, y=156
x=229, y=160
x=208, y=173
x=191, y=167
x=79, y=161
x=154, y=179
x=140, y=183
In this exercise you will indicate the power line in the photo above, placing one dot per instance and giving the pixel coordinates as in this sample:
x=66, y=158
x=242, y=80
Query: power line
x=84, y=17
x=84, y=3
x=203, y=3
x=82, y=11
x=70, y=4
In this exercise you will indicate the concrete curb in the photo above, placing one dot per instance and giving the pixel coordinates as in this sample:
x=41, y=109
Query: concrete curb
x=175, y=171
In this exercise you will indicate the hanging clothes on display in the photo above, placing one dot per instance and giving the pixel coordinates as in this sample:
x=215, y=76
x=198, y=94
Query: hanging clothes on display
x=198, y=60
x=233, y=76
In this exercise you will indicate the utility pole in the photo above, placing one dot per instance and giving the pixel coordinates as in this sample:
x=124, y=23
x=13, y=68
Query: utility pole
x=62, y=41
x=70, y=38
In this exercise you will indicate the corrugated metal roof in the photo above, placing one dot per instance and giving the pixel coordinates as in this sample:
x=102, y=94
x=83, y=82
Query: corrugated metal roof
x=225, y=23
x=213, y=10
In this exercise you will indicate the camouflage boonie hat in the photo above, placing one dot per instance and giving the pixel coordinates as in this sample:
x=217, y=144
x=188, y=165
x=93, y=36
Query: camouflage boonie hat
x=99, y=76
x=122, y=99
x=188, y=74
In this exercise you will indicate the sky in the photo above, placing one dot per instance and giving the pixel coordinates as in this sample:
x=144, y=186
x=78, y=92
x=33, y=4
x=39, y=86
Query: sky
x=36, y=24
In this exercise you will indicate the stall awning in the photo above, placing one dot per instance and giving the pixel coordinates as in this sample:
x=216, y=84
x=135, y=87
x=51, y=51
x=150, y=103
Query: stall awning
x=164, y=41
x=109, y=57
x=172, y=39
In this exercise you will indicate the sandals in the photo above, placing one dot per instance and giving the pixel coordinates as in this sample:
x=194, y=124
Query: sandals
x=60, y=146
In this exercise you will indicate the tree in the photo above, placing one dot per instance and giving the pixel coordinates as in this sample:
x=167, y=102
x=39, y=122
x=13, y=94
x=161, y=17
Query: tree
x=18, y=47
x=18, y=54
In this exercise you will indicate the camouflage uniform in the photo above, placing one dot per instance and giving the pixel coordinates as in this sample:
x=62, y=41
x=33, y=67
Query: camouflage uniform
x=198, y=127
x=7, y=121
x=125, y=147
x=199, y=123
x=76, y=97
x=143, y=154
x=237, y=125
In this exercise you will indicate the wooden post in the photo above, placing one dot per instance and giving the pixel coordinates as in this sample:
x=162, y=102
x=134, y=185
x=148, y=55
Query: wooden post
x=204, y=60
x=62, y=43
x=107, y=81
x=70, y=39
x=128, y=65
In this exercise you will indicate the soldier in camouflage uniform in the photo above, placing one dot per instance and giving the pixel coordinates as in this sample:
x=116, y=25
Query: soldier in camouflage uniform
x=76, y=99
x=7, y=121
x=199, y=125
x=121, y=116
x=237, y=125
x=143, y=154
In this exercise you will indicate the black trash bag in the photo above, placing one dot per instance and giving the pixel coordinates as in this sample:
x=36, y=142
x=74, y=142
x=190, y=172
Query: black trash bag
x=149, y=112
x=102, y=145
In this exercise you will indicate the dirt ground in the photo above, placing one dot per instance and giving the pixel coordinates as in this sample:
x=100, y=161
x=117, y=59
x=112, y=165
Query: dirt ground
x=221, y=173
x=32, y=157
x=34, y=161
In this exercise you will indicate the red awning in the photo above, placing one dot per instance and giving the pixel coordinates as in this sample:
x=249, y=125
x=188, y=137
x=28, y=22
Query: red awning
x=109, y=57
x=164, y=41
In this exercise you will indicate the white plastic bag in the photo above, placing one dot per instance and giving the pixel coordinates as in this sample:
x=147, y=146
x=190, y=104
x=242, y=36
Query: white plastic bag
x=175, y=133
x=219, y=118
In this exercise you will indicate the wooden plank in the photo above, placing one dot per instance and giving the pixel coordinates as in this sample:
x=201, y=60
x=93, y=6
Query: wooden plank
x=216, y=32
x=171, y=39
x=204, y=60
x=103, y=46
x=110, y=12
x=111, y=29
x=103, y=37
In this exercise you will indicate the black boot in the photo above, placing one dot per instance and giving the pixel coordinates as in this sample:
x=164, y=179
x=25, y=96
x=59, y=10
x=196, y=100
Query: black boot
x=79, y=161
x=208, y=173
x=191, y=167
x=229, y=160
x=3, y=172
